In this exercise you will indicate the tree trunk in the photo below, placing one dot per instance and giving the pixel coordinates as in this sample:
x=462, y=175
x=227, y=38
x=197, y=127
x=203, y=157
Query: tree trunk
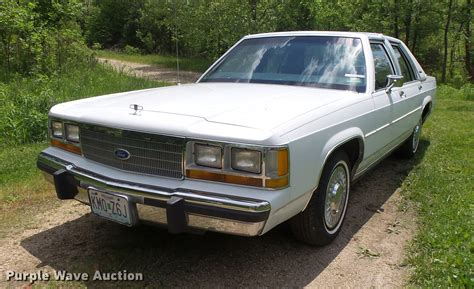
x=396, y=30
x=454, y=48
x=446, y=31
x=468, y=43
x=253, y=10
x=416, y=27
x=408, y=22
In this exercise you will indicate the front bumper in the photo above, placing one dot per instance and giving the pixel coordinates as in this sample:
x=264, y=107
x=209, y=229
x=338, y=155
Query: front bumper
x=180, y=210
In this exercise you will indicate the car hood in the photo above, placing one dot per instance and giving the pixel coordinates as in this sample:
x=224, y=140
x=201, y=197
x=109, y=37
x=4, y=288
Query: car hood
x=201, y=107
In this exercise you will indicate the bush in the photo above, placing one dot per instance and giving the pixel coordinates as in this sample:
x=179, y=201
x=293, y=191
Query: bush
x=468, y=91
x=448, y=91
x=130, y=50
x=40, y=37
x=96, y=46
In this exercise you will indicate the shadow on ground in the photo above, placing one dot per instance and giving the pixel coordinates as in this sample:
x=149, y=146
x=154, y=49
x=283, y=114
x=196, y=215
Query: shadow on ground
x=273, y=260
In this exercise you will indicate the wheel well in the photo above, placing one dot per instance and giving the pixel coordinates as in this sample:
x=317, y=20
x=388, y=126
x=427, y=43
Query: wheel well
x=426, y=111
x=354, y=149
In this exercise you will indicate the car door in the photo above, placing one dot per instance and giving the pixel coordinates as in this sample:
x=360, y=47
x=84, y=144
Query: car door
x=379, y=138
x=406, y=103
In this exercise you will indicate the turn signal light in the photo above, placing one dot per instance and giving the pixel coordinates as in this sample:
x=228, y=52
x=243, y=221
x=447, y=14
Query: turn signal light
x=67, y=147
x=232, y=179
x=283, y=162
x=276, y=183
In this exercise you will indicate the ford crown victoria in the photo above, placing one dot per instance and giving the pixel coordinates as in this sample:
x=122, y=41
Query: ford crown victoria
x=276, y=129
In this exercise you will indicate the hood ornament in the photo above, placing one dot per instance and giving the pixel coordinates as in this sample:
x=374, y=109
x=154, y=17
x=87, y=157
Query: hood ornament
x=136, y=108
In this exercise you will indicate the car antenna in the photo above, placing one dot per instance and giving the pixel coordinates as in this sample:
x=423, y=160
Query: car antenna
x=176, y=40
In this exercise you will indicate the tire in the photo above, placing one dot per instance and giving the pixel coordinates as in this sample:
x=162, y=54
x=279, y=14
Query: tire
x=313, y=226
x=409, y=148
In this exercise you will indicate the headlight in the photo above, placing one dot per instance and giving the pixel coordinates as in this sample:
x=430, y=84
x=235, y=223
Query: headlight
x=208, y=156
x=57, y=129
x=65, y=136
x=72, y=133
x=248, y=165
x=246, y=160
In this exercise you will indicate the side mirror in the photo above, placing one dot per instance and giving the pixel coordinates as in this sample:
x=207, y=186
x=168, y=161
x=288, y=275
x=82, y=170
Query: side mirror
x=393, y=81
x=422, y=75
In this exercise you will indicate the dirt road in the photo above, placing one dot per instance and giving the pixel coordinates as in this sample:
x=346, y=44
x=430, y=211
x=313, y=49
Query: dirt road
x=369, y=252
x=151, y=72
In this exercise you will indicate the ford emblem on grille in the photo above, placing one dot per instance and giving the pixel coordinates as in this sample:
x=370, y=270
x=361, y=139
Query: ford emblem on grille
x=122, y=154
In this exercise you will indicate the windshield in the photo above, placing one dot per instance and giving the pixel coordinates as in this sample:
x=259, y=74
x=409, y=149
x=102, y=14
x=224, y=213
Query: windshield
x=318, y=61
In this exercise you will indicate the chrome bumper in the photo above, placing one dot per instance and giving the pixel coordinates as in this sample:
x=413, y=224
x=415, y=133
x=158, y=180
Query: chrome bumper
x=180, y=210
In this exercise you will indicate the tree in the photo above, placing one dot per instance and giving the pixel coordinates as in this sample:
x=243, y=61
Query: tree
x=446, y=31
x=469, y=62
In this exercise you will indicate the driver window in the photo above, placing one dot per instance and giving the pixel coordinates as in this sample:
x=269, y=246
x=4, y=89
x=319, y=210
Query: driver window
x=382, y=65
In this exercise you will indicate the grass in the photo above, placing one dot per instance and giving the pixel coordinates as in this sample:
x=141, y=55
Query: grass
x=191, y=64
x=442, y=187
x=23, y=192
x=24, y=107
x=24, y=102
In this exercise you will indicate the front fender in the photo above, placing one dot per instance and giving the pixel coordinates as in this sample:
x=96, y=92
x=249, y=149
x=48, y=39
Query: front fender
x=337, y=140
x=308, y=157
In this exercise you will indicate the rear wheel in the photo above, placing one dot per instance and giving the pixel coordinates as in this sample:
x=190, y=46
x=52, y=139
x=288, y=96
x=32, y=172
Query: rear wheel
x=409, y=148
x=322, y=219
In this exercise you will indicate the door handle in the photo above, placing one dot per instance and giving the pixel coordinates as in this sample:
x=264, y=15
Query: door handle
x=402, y=94
x=420, y=87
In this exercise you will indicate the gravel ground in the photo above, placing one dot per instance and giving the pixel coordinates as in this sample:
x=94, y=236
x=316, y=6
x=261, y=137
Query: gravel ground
x=151, y=72
x=369, y=252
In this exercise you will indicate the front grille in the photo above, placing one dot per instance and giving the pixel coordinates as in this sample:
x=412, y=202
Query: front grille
x=149, y=154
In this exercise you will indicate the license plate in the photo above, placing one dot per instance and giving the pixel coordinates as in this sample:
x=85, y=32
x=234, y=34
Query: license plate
x=112, y=207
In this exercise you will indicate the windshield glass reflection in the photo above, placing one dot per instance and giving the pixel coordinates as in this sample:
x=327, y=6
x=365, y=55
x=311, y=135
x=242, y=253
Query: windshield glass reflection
x=319, y=61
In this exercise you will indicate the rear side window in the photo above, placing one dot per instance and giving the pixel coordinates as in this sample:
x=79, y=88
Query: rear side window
x=382, y=65
x=405, y=66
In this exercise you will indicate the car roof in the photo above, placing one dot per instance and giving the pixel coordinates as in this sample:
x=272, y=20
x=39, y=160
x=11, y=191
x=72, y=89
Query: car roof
x=370, y=35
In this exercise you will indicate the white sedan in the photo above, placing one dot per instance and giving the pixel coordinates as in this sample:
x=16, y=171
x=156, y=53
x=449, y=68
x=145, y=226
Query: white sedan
x=276, y=129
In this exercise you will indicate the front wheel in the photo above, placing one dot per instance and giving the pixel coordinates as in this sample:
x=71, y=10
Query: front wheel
x=322, y=219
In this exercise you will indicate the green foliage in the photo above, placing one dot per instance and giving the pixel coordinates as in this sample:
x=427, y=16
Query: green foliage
x=39, y=37
x=465, y=92
x=207, y=28
x=112, y=22
x=443, y=187
x=130, y=50
x=25, y=102
x=230, y=21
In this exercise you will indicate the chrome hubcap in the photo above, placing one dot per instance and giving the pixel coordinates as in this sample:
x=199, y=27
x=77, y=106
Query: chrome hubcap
x=336, y=195
x=416, y=136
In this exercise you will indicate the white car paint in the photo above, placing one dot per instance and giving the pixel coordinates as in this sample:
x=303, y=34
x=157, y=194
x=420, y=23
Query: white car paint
x=311, y=121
